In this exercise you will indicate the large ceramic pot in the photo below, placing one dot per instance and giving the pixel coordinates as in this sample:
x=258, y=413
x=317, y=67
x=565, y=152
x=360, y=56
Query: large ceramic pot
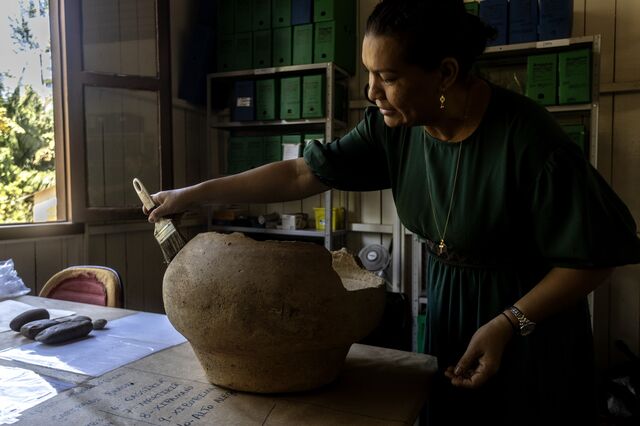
x=269, y=316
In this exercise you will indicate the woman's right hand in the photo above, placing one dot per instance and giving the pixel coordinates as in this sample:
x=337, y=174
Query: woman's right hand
x=169, y=203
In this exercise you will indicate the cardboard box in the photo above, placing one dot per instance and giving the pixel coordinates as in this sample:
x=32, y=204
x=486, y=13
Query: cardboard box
x=495, y=13
x=542, y=78
x=243, y=107
x=574, y=76
x=261, y=15
x=313, y=95
x=334, y=42
x=292, y=147
x=242, y=16
x=301, y=12
x=225, y=57
x=472, y=7
x=262, y=49
x=280, y=13
x=337, y=218
x=225, y=18
x=266, y=99
x=290, y=98
x=302, y=44
x=272, y=149
x=243, y=52
x=578, y=134
x=523, y=21
x=334, y=10
x=556, y=19
x=237, y=154
x=282, y=47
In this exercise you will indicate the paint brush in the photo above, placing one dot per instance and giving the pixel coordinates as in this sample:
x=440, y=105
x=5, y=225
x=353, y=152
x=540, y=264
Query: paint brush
x=165, y=232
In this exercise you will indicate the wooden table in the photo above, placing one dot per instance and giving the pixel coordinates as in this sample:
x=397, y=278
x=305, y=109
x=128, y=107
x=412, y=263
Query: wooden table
x=376, y=387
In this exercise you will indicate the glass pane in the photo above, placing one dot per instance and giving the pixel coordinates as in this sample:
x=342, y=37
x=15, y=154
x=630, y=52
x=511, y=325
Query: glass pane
x=122, y=142
x=27, y=143
x=119, y=37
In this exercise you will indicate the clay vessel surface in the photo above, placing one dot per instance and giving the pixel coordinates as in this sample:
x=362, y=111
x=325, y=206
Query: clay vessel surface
x=269, y=316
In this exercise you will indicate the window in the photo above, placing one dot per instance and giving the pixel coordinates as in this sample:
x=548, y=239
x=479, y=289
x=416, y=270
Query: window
x=118, y=104
x=27, y=143
x=96, y=74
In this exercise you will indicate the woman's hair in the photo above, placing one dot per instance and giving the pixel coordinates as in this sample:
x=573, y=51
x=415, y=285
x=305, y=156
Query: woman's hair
x=431, y=30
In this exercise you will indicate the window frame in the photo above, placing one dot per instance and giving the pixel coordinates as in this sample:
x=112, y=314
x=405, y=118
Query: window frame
x=75, y=79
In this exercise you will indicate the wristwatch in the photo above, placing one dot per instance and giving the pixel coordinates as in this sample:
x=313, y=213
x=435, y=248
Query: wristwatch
x=525, y=325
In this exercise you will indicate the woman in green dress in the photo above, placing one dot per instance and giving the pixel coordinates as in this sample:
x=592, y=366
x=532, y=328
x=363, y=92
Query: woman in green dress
x=519, y=226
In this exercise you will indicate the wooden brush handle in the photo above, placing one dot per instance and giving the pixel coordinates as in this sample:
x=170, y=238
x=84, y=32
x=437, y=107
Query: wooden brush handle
x=143, y=194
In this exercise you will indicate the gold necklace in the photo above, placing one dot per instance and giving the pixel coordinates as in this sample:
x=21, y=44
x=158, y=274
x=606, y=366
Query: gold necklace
x=442, y=246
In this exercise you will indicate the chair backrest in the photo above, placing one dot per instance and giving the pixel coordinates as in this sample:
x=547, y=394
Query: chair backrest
x=96, y=285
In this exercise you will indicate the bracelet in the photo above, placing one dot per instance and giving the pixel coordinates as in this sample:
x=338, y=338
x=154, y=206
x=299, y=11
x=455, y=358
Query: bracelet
x=515, y=329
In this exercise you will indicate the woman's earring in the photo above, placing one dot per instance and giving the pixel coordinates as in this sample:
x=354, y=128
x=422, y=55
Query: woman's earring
x=442, y=99
x=366, y=94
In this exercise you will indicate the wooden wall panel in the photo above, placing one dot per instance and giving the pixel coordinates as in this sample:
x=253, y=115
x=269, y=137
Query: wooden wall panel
x=179, y=148
x=577, y=28
x=134, y=288
x=625, y=312
x=48, y=255
x=605, y=137
x=600, y=19
x=627, y=60
x=626, y=150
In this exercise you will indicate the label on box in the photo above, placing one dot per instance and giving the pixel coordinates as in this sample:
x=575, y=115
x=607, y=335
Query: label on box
x=244, y=102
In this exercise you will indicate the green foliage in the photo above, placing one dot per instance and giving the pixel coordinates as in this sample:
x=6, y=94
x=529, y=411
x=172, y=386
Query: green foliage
x=27, y=151
x=27, y=146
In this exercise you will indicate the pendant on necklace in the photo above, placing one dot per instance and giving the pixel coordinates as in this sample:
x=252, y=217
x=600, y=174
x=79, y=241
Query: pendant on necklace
x=442, y=248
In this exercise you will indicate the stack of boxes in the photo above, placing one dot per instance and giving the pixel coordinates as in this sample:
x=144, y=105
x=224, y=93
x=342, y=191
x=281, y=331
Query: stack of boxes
x=521, y=21
x=274, y=33
x=560, y=79
x=248, y=152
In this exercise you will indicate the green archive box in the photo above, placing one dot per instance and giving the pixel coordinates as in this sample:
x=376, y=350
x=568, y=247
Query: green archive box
x=542, y=78
x=302, y=44
x=334, y=10
x=242, y=16
x=272, y=149
x=280, y=13
x=237, y=154
x=243, y=53
x=281, y=47
x=290, y=98
x=225, y=17
x=262, y=49
x=266, y=99
x=472, y=7
x=334, y=42
x=261, y=15
x=574, y=76
x=225, y=56
x=310, y=137
x=256, y=150
x=291, y=147
x=313, y=96
x=578, y=134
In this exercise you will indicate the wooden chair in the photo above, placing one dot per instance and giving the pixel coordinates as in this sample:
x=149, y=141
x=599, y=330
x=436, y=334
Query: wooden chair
x=96, y=285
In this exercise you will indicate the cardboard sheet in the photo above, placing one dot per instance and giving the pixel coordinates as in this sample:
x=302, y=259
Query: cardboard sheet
x=123, y=340
x=377, y=387
x=9, y=309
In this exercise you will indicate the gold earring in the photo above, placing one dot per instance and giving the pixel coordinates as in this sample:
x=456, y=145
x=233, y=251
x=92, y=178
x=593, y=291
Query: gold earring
x=442, y=99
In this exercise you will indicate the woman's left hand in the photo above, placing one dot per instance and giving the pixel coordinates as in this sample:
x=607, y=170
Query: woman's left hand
x=483, y=355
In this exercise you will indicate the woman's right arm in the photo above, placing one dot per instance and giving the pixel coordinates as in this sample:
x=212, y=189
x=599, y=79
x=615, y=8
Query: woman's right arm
x=274, y=182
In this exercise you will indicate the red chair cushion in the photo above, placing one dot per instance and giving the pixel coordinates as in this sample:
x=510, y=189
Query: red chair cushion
x=84, y=288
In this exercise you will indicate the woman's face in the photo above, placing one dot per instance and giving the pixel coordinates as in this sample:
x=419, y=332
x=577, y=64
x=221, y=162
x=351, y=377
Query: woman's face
x=406, y=94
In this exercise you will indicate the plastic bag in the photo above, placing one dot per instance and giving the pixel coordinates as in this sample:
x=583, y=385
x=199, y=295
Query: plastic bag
x=11, y=284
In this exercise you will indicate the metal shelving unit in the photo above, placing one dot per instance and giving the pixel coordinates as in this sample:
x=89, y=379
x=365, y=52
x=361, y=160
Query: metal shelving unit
x=329, y=124
x=517, y=53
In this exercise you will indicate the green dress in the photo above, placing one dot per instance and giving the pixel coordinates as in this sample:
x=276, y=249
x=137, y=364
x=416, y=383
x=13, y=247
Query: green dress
x=526, y=200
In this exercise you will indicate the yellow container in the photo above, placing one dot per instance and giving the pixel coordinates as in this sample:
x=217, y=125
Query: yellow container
x=337, y=218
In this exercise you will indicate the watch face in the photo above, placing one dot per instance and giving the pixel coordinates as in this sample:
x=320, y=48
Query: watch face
x=526, y=329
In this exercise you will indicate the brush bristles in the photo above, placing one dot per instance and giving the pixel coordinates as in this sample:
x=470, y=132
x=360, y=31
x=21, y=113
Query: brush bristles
x=169, y=238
